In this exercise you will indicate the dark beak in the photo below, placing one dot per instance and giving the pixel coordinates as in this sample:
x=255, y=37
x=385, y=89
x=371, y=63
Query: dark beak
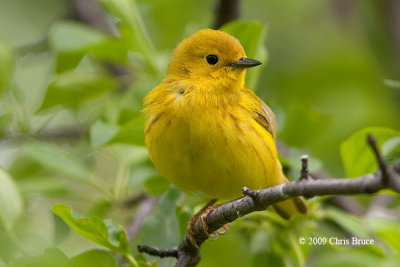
x=245, y=63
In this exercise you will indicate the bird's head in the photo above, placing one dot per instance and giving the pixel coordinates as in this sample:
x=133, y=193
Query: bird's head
x=210, y=55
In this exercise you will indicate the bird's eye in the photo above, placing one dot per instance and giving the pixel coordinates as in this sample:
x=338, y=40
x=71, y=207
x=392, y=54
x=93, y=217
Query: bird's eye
x=212, y=59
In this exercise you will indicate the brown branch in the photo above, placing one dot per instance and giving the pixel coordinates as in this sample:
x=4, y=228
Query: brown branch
x=226, y=11
x=257, y=200
x=162, y=253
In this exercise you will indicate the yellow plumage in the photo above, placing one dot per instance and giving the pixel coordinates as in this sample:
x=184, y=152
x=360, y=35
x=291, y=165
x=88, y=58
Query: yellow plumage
x=207, y=132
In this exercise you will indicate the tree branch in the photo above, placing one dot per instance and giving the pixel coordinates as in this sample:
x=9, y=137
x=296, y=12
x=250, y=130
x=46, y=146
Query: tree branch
x=162, y=253
x=257, y=200
x=226, y=10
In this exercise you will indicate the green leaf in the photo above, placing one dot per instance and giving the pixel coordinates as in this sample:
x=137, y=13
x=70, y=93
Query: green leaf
x=391, y=150
x=55, y=159
x=24, y=166
x=101, y=132
x=68, y=60
x=388, y=230
x=131, y=133
x=156, y=185
x=73, y=40
x=71, y=89
x=100, y=208
x=5, y=121
x=252, y=36
x=61, y=229
x=183, y=214
x=391, y=145
x=392, y=83
x=273, y=258
x=355, y=258
x=68, y=36
x=105, y=233
x=50, y=257
x=163, y=217
x=123, y=9
x=127, y=113
x=231, y=250
x=143, y=263
x=348, y=222
x=127, y=10
x=357, y=155
x=10, y=201
x=261, y=242
x=314, y=124
x=43, y=186
x=95, y=257
x=7, y=60
x=112, y=50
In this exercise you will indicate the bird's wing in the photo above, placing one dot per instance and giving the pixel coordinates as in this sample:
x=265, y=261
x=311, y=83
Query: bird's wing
x=260, y=111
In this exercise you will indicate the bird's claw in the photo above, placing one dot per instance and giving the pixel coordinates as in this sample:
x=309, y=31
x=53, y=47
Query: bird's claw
x=201, y=216
x=216, y=233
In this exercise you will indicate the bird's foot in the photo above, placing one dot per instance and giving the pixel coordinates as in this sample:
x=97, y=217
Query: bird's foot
x=201, y=216
x=215, y=234
x=203, y=223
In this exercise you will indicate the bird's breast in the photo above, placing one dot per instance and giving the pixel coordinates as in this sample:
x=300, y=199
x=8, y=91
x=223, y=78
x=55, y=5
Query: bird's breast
x=210, y=147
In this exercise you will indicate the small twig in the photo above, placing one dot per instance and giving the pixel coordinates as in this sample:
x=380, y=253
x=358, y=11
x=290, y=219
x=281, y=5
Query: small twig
x=162, y=253
x=248, y=192
x=304, y=167
x=382, y=165
x=134, y=200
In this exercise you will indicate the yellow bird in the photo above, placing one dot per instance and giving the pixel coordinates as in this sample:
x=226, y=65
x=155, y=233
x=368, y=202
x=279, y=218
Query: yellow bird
x=206, y=131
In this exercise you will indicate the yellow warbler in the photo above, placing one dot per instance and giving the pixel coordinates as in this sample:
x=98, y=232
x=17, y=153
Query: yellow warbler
x=206, y=131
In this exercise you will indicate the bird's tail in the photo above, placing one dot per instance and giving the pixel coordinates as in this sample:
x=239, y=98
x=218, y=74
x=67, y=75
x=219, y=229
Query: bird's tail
x=288, y=208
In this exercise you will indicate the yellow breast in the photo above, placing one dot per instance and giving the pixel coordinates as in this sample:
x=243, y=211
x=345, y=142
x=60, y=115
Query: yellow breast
x=208, y=144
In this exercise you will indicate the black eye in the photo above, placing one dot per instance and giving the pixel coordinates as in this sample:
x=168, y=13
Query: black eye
x=212, y=59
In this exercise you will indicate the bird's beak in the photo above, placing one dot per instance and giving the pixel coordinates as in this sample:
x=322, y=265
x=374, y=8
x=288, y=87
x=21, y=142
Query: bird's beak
x=245, y=63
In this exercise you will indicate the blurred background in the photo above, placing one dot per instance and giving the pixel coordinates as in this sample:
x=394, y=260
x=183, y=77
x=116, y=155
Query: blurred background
x=72, y=78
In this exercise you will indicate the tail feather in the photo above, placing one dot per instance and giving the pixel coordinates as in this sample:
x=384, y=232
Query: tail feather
x=288, y=208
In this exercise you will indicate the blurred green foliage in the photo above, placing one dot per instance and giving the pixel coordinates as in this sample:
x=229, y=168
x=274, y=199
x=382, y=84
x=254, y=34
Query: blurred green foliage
x=71, y=130
x=358, y=159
